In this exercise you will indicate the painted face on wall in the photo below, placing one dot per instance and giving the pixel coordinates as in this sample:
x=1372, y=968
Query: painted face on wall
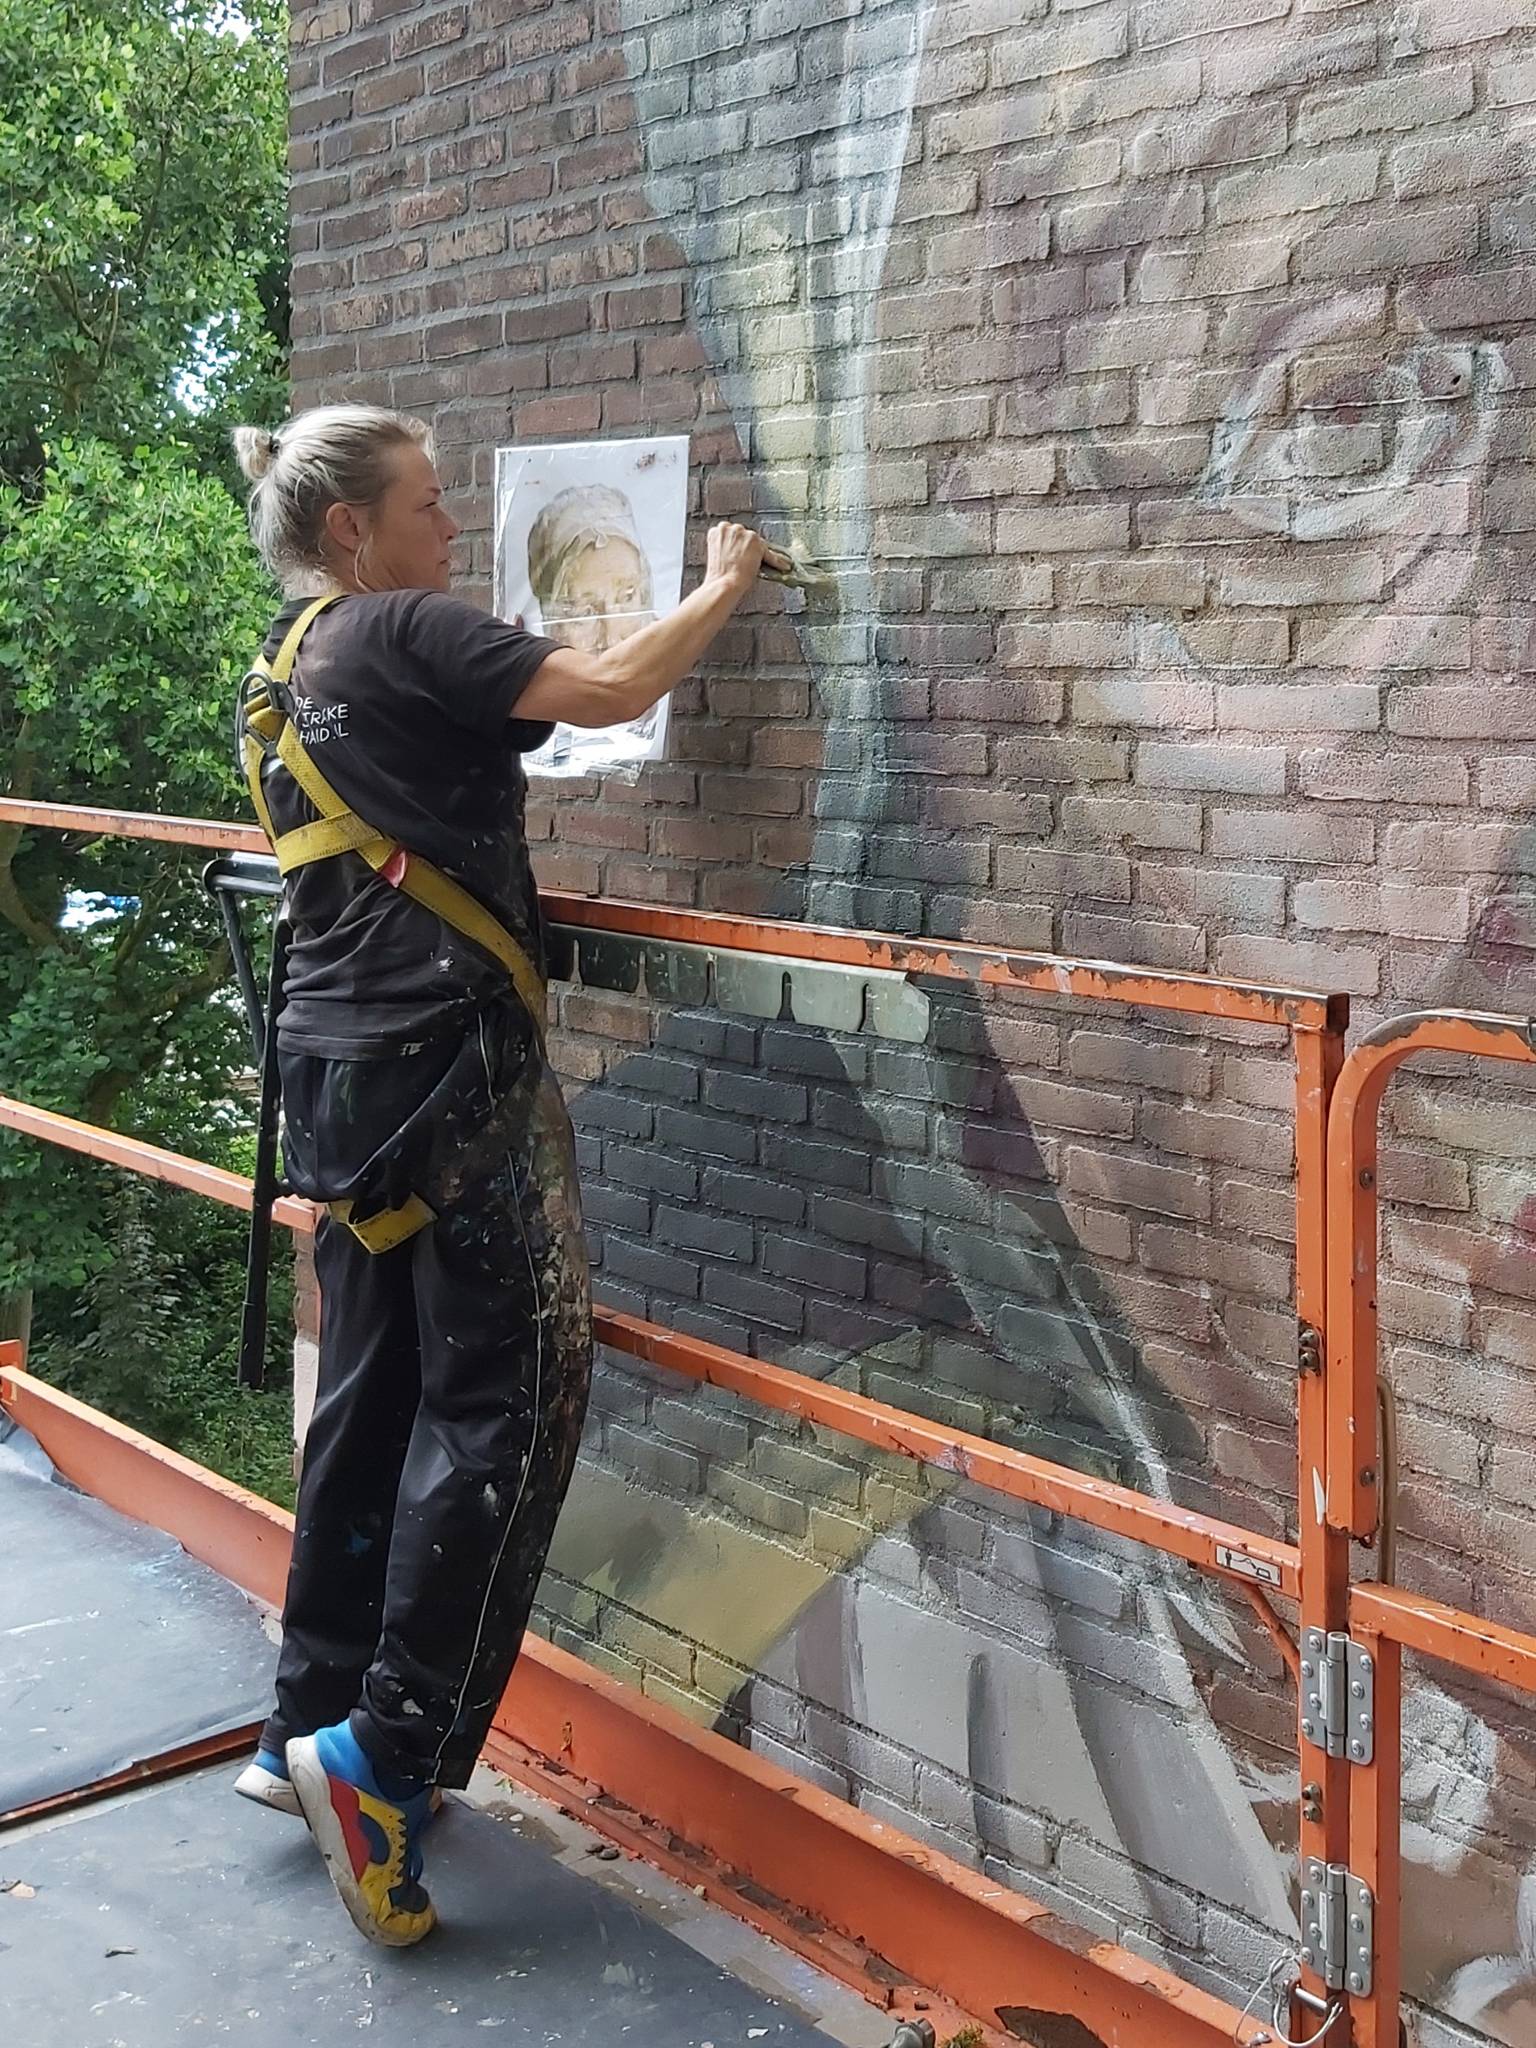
x=1132, y=440
x=1293, y=537
x=1158, y=366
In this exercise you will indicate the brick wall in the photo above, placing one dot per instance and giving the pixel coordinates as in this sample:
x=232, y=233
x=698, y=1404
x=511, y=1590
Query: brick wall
x=1158, y=379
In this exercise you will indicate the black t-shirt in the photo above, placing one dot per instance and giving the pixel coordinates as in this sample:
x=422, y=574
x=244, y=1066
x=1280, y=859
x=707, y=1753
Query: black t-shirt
x=405, y=702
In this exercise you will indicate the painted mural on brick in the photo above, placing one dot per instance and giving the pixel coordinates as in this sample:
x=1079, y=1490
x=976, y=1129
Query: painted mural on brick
x=1161, y=348
x=1334, y=476
x=1156, y=382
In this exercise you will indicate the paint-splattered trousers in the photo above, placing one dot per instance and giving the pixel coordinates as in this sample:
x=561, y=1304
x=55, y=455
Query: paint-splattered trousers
x=453, y=1383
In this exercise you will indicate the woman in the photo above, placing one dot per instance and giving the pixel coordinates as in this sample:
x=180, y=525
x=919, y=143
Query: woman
x=385, y=742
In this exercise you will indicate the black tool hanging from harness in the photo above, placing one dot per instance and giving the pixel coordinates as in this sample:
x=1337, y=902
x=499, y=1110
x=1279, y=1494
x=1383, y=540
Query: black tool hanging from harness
x=268, y=736
x=228, y=880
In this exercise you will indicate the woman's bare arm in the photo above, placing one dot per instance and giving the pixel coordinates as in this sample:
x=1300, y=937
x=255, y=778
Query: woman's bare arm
x=596, y=690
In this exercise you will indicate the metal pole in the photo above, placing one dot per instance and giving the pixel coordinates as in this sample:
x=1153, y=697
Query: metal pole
x=226, y=881
x=253, y=1315
x=240, y=953
x=1323, y=1830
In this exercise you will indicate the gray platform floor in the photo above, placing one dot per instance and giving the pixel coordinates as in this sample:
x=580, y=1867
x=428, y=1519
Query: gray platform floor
x=114, y=1644
x=179, y=1913
x=184, y=1914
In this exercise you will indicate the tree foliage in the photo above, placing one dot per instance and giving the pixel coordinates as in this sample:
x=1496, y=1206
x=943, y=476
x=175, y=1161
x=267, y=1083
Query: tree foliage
x=127, y=1342
x=143, y=310
x=142, y=265
x=130, y=602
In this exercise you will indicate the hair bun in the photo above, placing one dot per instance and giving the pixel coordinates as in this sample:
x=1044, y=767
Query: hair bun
x=255, y=451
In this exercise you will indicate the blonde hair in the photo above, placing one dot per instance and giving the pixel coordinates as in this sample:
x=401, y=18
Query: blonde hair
x=330, y=455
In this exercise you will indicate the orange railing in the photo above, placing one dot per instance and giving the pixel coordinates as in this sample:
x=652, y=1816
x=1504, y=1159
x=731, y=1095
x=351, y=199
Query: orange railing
x=1349, y=1814
x=1382, y=1620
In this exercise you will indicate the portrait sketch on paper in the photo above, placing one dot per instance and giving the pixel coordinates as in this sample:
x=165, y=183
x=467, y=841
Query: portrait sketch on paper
x=589, y=548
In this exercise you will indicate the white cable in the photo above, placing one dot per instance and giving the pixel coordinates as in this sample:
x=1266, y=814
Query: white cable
x=1279, y=2037
x=1260, y=2039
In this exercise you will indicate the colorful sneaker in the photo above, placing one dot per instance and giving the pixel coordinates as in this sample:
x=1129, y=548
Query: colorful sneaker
x=371, y=1843
x=265, y=1780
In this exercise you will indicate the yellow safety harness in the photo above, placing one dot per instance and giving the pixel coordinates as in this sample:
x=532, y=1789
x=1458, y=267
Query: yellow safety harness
x=267, y=733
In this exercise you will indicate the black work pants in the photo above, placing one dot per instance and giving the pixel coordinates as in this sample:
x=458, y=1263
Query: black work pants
x=452, y=1388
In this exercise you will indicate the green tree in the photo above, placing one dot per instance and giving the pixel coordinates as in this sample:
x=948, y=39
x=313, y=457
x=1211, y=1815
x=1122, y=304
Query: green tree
x=143, y=309
x=130, y=602
x=149, y=1335
x=142, y=239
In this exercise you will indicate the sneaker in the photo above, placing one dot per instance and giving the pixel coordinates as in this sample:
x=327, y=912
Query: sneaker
x=371, y=1842
x=265, y=1780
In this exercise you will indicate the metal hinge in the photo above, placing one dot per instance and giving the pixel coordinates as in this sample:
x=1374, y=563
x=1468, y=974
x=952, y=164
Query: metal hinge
x=1309, y=1348
x=1337, y=1927
x=1338, y=1689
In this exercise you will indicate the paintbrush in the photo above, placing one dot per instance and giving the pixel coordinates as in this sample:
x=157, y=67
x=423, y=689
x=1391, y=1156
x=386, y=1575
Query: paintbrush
x=793, y=566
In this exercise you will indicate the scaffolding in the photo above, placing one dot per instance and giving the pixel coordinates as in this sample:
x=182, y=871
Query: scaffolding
x=881, y=1911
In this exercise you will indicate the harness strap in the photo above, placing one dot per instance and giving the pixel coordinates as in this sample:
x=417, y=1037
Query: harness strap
x=386, y=1228
x=267, y=730
x=283, y=660
x=323, y=839
x=252, y=754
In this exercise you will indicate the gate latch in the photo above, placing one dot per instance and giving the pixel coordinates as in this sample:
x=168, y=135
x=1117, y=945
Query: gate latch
x=1338, y=1703
x=1337, y=1927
